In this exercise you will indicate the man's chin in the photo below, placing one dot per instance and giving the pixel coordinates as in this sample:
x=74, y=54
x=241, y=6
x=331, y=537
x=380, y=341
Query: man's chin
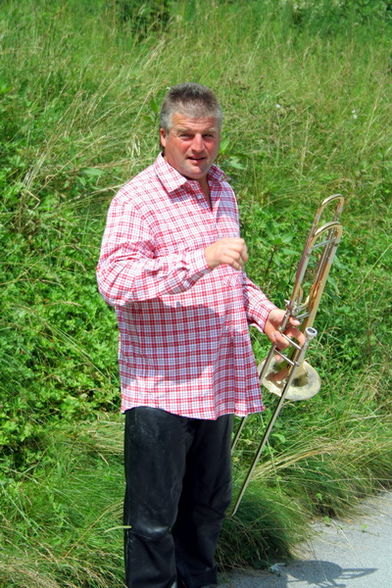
x=196, y=173
x=194, y=177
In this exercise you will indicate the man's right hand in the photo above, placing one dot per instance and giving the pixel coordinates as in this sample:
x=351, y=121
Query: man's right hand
x=230, y=251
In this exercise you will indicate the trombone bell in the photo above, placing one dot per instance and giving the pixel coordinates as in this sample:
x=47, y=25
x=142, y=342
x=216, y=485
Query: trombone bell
x=305, y=383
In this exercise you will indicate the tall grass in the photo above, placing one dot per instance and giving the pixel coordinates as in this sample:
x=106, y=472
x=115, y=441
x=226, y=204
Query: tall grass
x=60, y=521
x=305, y=90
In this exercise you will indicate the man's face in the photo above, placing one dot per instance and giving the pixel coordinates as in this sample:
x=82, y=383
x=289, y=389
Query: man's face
x=191, y=145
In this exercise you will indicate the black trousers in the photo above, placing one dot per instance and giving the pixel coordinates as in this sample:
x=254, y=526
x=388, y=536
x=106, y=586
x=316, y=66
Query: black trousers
x=178, y=487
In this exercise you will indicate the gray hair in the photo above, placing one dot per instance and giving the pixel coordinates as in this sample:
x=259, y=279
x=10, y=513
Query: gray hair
x=192, y=100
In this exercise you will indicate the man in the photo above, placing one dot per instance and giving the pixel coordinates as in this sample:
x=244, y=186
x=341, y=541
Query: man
x=171, y=265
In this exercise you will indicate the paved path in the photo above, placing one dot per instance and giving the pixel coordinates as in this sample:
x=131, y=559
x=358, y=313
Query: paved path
x=354, y=553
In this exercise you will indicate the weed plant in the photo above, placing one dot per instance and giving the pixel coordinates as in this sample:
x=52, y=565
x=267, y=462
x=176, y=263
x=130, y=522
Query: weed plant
x=305, y=89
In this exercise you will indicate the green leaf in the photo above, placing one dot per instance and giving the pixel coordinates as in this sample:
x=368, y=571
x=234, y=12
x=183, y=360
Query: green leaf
x=92, y=172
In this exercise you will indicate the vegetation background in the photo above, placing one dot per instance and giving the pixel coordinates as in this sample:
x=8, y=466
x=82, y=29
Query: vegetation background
x=306, y=88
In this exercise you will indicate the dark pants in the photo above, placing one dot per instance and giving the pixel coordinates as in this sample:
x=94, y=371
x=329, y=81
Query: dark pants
x=178, y=487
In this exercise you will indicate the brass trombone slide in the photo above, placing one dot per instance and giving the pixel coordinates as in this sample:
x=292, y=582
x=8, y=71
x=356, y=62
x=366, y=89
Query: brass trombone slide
x=299, y=380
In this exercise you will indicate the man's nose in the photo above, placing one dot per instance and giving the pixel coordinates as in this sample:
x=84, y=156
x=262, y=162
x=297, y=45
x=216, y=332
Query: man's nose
x=198, y=143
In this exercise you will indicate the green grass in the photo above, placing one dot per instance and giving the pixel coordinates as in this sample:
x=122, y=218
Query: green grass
x=60, y=524
x=305, y=88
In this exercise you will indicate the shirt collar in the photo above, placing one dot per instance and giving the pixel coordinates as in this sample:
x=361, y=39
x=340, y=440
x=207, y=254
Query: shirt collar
x=172, y=179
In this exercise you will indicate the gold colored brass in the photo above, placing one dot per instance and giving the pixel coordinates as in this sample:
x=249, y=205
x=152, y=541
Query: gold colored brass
x=291, y=377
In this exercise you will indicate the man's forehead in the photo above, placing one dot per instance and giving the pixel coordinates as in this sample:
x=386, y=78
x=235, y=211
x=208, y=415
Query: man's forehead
x=181, y=122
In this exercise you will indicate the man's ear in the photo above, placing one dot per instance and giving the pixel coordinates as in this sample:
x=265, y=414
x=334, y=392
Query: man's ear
x=162, y=136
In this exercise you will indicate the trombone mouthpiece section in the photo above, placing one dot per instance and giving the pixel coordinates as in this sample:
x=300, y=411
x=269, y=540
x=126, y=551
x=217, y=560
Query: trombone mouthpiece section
x=310, y=333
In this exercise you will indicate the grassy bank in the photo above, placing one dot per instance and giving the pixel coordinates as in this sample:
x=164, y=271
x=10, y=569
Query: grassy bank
x=305, y=89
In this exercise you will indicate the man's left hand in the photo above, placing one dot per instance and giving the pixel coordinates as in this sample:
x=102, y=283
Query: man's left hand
x=271, y=329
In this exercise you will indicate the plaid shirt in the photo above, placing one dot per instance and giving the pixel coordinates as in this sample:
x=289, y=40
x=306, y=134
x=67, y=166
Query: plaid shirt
x=184, y=338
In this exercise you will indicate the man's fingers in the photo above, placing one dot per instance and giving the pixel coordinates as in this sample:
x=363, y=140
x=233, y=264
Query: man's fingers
x=244, y=253
x=280, y=341
x=230, y=251
x=295, y=333
x=291, y=332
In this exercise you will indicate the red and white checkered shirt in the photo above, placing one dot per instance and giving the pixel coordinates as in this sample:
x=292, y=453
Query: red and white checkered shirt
x=184, y=338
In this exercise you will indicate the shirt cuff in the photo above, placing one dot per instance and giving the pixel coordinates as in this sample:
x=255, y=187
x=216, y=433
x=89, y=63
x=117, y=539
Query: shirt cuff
x=260, y=316
x=197, y=264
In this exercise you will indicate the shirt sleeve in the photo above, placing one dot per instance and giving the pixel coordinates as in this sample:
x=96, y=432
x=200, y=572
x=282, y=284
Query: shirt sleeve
x=130, y=271
x=257, y=305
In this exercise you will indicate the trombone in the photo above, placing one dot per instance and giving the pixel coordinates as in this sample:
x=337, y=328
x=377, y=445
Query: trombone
x=291, y=377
